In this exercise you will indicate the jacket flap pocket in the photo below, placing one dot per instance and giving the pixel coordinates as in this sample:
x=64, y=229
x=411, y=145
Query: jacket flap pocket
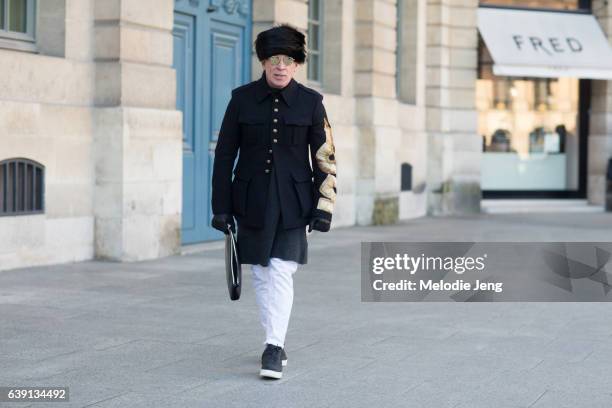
x=251, y=120
x=242, y=175
x=301, y=176
x=298, y=120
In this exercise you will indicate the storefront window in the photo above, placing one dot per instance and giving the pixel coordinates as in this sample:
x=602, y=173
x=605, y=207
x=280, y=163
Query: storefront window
x=546, y=4
x=529, y=126
x=529, y=130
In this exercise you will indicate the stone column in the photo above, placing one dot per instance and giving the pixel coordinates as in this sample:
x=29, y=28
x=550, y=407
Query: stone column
x=138, y=132
x=451, y=119
x=600, y=120
x=379, y=136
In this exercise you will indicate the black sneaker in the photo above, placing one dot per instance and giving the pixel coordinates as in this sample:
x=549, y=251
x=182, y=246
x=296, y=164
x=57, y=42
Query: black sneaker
x=283, y=357
x=271, y=365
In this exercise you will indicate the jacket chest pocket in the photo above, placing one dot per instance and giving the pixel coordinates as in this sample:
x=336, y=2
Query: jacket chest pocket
x=296, y=129
x=252, y=130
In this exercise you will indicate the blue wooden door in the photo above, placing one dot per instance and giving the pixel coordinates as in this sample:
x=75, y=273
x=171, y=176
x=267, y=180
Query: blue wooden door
x=211, y=57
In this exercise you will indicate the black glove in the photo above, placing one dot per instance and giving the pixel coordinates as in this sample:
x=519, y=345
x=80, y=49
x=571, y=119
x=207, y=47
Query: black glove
x=319, y=224
x=220, y=222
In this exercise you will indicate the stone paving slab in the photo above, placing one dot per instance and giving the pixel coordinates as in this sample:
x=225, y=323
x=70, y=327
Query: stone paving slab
x=164, y=333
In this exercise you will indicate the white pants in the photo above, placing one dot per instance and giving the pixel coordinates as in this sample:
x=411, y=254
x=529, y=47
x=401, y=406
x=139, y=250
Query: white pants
x=273, y=286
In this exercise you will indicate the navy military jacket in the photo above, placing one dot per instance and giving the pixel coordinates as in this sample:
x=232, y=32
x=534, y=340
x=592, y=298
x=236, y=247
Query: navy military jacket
x=287, y=130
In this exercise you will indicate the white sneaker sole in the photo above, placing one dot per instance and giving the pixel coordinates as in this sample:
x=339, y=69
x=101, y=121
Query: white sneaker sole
x=270, y=373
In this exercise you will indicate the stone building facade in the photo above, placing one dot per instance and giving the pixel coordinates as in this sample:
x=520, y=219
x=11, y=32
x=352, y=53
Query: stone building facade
x=95, y=105
x=94, y=101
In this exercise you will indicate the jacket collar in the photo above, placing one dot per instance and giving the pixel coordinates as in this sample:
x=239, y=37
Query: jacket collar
x=289, y=93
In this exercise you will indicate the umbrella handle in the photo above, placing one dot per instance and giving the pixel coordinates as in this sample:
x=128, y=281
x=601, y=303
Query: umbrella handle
x=235, y=279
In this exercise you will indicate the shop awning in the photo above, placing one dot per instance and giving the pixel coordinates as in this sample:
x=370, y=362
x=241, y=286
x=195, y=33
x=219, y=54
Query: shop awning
x=533, y=43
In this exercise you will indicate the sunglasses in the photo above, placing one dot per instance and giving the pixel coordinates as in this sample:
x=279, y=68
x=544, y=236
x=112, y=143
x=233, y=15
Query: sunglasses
x=276, y=59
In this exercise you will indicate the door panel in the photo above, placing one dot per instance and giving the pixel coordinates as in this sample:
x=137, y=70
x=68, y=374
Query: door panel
x=226, y=74
x=211, y=57
x=184, y=62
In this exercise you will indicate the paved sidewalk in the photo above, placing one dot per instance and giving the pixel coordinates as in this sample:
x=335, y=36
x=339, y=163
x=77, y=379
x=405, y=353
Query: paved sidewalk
x=165, y=334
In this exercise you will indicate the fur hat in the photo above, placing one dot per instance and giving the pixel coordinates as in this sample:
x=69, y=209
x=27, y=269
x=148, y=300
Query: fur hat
x=282, y=39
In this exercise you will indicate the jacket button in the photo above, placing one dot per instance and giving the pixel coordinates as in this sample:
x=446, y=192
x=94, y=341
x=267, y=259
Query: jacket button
x=267, y=170
x=274, y=130
x=270, y=151
x=275, y=120
x=275, y=109
x=268, y=161
x=275, y=100
x=275, y=140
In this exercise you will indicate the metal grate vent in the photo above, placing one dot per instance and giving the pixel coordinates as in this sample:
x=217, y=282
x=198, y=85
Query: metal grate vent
x=21, y=187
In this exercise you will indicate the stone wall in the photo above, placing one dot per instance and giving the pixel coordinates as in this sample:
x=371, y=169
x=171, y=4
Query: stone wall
x=46, y=116
x=137, y=132
x=95, y=106
x=454, y=147
x=374, y=132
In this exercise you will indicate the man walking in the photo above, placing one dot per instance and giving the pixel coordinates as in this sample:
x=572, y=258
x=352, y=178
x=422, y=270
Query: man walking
x=279, y=127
